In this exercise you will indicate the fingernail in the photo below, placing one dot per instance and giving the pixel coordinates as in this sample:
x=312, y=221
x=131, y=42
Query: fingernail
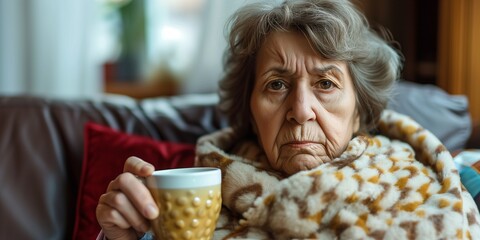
x=151, y=211
x=147, y=168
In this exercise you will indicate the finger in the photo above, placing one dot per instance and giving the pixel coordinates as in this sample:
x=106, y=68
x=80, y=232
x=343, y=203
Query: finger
x=109, y=217
x=137, y=193
x=113, y=224
x=138, y=167
x=121, y=205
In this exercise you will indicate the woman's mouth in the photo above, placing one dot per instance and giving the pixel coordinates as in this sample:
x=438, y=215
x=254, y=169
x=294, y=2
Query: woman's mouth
x=299, y=144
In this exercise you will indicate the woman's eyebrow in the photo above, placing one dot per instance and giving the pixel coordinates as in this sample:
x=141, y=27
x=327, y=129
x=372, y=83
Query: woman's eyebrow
x=277, y=70
x=328, y=68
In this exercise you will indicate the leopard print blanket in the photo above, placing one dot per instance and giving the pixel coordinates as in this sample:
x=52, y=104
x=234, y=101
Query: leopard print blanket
x=399, y=185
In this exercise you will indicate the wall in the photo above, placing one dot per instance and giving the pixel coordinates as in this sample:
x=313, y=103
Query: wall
x=459, y=51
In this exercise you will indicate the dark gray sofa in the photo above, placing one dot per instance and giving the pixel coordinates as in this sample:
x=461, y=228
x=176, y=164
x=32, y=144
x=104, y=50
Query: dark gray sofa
x=41, y=145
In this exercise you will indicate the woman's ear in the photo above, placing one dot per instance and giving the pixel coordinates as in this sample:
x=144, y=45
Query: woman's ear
x=356, y=123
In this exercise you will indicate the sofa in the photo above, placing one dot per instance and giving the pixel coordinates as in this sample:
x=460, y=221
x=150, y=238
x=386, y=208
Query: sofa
x=57, y=155
x=42, y=150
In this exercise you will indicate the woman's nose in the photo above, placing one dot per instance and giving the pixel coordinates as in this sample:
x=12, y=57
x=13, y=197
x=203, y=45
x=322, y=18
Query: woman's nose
x=301, y=108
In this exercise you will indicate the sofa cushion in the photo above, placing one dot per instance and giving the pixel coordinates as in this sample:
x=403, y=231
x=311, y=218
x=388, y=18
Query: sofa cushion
x=445, y=115
x=105, y=152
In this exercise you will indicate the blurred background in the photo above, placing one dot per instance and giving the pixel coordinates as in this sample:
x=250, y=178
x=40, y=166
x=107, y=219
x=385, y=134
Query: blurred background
x=149, y=48
x=142, y=48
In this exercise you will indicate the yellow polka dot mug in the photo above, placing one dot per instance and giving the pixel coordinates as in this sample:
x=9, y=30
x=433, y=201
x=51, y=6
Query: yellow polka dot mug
x=189, y=200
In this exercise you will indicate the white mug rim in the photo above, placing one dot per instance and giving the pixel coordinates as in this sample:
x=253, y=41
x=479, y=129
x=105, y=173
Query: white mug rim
x=184, y=178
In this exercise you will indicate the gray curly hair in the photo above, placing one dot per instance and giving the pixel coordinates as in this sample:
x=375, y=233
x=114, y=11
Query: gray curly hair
x=337, y=31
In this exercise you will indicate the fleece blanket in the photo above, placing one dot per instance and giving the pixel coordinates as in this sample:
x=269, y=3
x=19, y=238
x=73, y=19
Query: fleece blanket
x=400, y=184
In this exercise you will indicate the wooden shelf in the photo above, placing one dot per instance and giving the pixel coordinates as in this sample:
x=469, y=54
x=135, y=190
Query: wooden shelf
x=142, y=89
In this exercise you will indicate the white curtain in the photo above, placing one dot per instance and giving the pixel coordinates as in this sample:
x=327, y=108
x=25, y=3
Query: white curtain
x=207, y=68
x=48, y=48
x=211, y=45
x=189, y=37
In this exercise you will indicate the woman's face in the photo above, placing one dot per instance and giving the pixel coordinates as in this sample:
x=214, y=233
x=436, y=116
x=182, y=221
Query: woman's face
x=303, y=106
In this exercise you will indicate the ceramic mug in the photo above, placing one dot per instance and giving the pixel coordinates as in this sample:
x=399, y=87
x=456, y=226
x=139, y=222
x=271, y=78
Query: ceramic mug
x=189, y=200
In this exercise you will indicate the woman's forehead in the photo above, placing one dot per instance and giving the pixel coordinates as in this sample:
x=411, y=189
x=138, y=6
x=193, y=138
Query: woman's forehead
x=279, y=43
x=284, y=48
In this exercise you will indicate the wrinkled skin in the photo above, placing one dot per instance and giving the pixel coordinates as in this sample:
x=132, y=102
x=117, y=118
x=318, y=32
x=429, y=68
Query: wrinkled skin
x=303, y=105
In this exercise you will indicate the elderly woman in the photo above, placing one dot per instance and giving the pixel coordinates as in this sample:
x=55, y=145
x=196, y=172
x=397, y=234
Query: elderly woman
x=306, y=83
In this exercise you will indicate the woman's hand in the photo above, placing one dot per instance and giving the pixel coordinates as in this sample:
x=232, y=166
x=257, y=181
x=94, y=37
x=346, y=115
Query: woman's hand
x=125, y=209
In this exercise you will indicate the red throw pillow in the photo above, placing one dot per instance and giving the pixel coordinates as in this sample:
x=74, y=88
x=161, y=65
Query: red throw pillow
x=105, y=152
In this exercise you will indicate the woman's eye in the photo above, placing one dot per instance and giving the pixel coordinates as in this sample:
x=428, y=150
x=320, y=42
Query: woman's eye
x=326, y=84
x=276, y=85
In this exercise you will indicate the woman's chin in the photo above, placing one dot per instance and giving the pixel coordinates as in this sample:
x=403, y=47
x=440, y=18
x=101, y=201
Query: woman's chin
x=301, y=162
